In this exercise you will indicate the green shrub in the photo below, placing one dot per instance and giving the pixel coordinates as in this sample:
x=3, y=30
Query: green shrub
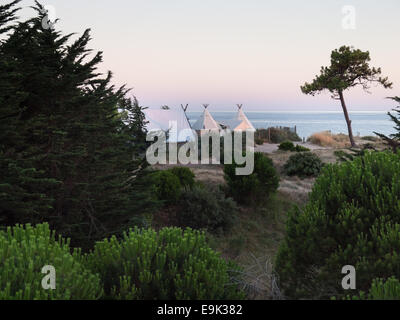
x=204, y=208
x=305, y=164
x=167, y=185
x=380, y=290
x=254, y=187
x=287, y=146
x=185, y=176
x=25, y=250
x=171, y=264
x=352, y=218
x=300, y=148
x=277, y=135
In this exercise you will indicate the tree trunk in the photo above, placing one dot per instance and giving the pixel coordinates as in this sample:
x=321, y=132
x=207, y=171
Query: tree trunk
x=348, y=121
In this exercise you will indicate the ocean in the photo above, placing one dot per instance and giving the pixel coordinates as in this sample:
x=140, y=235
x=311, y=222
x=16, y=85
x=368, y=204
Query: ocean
x=307, y=123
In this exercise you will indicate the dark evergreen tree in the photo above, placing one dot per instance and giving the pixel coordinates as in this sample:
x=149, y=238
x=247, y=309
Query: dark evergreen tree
x=71, y=135
x=393, y=140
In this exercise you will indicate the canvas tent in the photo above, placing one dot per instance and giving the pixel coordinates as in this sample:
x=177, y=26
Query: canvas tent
x=240, y=122
x=161, y=119
x=206, y=121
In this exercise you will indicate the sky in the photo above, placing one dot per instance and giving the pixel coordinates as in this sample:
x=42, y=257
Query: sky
x=223, y=52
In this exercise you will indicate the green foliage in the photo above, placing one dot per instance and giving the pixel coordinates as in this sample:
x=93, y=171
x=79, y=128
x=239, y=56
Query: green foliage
x=352, y=218
x=167, y=185
x=286, y=146
x=289, y=146
x=171, y=264
x=185, y=176
x=394, y=139
x=300, y=148
x=71, y=144
x=380, y=290
x=209, y=209
x=349, y=68
x=305, y=164
x=255, y=187
x=25, y=250
x=385, y=290
x=353, y=153
x=276, y=135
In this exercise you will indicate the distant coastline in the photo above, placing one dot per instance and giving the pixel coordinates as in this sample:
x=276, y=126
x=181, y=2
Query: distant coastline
x=307, y=123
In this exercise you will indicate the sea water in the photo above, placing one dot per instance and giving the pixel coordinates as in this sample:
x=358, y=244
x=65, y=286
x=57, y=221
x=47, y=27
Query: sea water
x=307, y=123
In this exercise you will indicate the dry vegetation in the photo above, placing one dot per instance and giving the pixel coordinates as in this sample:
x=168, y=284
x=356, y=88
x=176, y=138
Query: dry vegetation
x=327, y=139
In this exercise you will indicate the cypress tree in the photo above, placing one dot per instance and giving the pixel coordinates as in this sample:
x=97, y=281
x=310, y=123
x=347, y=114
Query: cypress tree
x=393, y=140
x=78, y=132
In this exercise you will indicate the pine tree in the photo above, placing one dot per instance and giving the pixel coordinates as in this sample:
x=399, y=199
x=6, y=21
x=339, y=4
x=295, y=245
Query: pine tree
x=393, y=140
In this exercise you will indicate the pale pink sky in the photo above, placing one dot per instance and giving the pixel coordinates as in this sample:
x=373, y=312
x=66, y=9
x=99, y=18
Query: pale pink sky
x=224, y=52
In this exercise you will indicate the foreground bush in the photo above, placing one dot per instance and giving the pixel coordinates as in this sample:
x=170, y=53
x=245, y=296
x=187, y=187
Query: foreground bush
x=352, y=218
x=381, y=290
x=254, y=187
x=170, y=264
x=209, y=209
x=305, y=164
x=24, y=251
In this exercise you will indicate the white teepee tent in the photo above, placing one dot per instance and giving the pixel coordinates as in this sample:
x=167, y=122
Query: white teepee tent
x=160, y=119
x=206, y=121
x=240, y=122
x=245, y=124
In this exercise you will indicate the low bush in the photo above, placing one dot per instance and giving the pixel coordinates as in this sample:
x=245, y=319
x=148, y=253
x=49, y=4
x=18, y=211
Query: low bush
x=380, y=290
x=289, y=146
x=300, y=148
x=255, y=187
x=286, y=146
x=185, y=176
x=352, y=218
x=170, y=264
x=305, y=164
x=277, y=135
x=25, y=250
x=167, y=186
x=202, y=208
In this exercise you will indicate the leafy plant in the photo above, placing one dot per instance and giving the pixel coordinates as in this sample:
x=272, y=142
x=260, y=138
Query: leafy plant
x=255, y=187
x=352, y=218
x=286, y=146
x=305, y=164
x=289, y=146
x=185, y=176
x=167, y=185
x=171, y=264
x=394, y=139
x=25, y=250
x=209, y=209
